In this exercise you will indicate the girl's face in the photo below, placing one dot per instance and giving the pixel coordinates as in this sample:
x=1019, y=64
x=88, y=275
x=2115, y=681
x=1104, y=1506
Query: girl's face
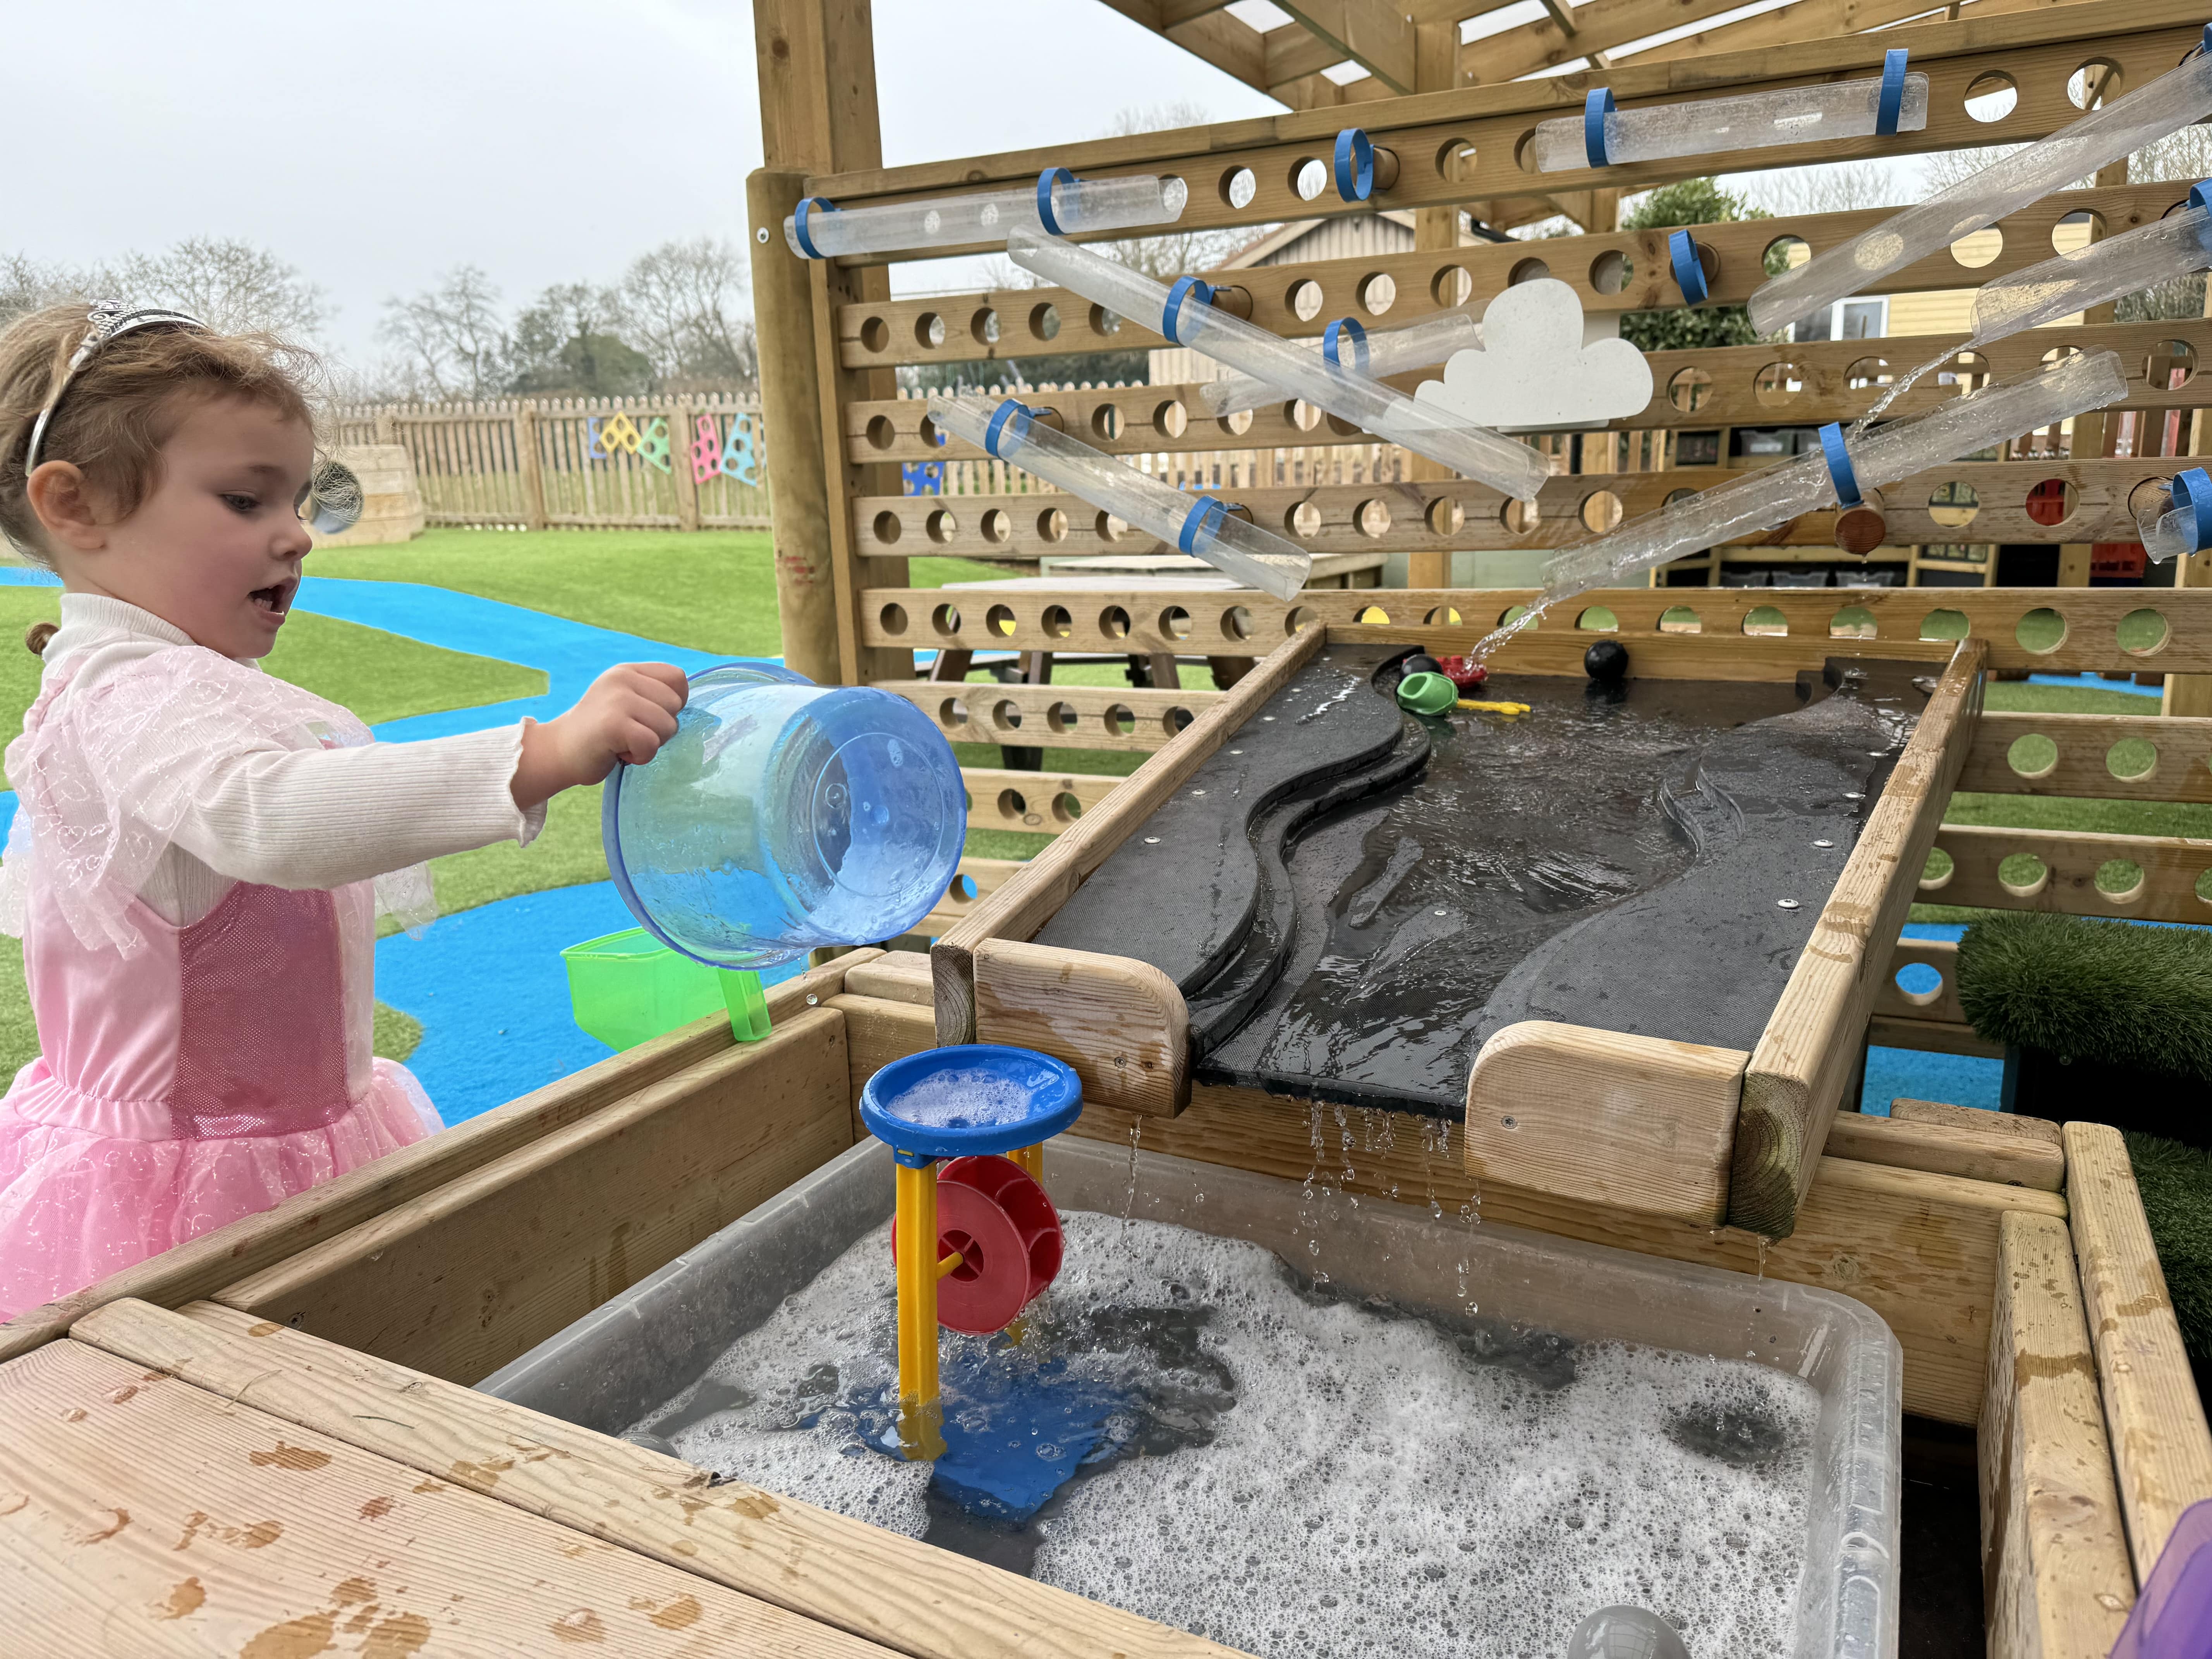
x=214, y=548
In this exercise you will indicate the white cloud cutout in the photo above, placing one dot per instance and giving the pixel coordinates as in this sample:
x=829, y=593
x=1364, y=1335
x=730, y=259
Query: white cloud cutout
x=1533, y=372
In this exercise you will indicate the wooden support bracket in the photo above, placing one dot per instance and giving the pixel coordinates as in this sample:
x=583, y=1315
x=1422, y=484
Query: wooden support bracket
x=1121, y=1023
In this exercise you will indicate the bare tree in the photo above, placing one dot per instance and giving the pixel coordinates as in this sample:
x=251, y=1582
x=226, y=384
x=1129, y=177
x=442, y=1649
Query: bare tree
x=681, y=305
x=232, y=285
x=2185, y=153
x=26, y=285
x=1170, y=254
x=450, y=339
x=1837, y=187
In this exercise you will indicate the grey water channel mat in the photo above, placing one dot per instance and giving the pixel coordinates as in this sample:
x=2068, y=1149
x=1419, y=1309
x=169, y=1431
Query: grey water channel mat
x=1353, y=898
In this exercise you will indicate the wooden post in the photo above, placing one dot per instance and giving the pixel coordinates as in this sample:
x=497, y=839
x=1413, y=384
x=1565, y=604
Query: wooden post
x=533, y=469
x=679, y=459
x=817, y=81
x=1436, y=68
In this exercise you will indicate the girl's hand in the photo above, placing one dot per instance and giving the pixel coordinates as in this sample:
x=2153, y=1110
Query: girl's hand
x=627, y=715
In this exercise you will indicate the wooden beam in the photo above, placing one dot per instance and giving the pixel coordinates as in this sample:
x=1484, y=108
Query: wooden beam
x=1597, y=26
x=808, y=1562
x=1811, y=1048
x=463, y=1279
x=200, y=1266
x=895, y=976
x=1376, y=34
x=1035, y=802
x=146, y=1516
x=1973, y=1152
x=2085, y=762
x=2171, y=868
x=1976, y=1118
x=1919, y=1249
x=1807, y=20
x=2054, y=1549
x=2161, y=1445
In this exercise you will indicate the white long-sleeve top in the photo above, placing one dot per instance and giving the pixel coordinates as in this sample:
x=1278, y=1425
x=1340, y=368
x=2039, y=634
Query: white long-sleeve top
x=301, y=818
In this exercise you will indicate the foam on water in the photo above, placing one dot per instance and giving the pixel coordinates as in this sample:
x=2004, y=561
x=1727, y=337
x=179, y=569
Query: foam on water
x=1296, y=1473
x=967, y=1097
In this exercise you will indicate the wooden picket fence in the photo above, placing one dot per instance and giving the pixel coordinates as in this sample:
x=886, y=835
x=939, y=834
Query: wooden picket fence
x=696, y=463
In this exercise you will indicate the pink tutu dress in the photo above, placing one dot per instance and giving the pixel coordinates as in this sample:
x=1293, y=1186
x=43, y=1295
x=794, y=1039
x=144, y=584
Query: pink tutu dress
x=195, y=1070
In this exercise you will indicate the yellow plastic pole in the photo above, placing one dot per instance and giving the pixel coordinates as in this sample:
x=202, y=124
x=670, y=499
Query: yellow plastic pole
x=1031, y=1158
x=918, y=1270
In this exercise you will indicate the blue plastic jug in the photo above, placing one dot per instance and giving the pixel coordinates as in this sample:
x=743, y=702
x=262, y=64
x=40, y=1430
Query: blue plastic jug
x=783, y=816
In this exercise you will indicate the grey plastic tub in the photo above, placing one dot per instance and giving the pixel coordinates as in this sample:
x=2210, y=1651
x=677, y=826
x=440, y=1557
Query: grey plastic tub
x=626, y=1359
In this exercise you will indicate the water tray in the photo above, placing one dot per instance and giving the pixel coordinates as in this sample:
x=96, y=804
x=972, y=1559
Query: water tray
x=645, y=1347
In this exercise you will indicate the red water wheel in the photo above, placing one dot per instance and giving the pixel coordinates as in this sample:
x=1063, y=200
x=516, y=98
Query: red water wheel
x=1008, y=1234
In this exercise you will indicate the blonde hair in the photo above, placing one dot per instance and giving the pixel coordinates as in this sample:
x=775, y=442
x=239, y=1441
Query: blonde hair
x=124, y=405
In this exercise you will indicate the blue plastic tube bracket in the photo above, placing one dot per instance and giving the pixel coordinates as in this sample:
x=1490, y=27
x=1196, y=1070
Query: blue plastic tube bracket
x=1891, y=104
x=1689, y=269
x=1841, y=472
x=1595, y=108
x=1355, y=165
x=2192, y=492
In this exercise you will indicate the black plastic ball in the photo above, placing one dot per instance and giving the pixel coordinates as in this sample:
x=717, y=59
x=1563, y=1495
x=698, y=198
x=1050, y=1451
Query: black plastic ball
x=1607, y=660
x=1419, y=663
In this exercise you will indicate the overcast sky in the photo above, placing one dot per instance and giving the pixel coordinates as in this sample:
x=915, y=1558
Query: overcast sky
x=376, y=146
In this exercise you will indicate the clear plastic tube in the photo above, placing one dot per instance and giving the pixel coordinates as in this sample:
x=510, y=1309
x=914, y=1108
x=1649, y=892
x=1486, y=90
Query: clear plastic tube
x=2168, y=528
x=1385, y=351
x=2173, y=246
x=1078, y=206
x=1473, y=451
x=2172, y=101
x=1253, y=556
x=1800, y=115
x=1773, y=495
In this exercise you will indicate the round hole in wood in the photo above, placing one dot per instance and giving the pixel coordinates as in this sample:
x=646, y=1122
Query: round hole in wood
x=998, y=526
x=1052, y=524
x=1953, y=503
x=893, y=619
x=1000, y=620
x=1601, y=511
x=1513, y=613
x=1938, y=871
x=1765, y=621
x=2120, y=881
x=1372, y=518
x=1451, y=287
x=1236, y=623
x=1969, y=371
x=1598, y=619
x=945, y=619
x=875, y=334
x=1527, y=270
x=882, y=435
x=1298, y=619
x=2023, y=875
x=1690, y=389
x=1044, y=321
x=1455, y=161
x=1680, y=619
x=2143, y=633
x=1062, y=717
x=2032, y=755
x=929, y=330
x=1113, y=622
x=1239, y=186
x=1236, y=425
x=1377, y=293
x=1308, y=177
x=1119, y=721
x=1919, y=983
x=1342, y=428
x=1109, y=528
x=1776, y=384
x=952, y=712
x=2041, y=631
x=983, y=327
x=1170, y=419
x=1978, y=248
x=1785, y=254
x=1524, y=151
x=1943, y=624
x=1445, y=517
x=1065, y=807
x=941, y=526
x=2171, y=366
x=2094, y=83
x=1610, y=272
x=2132, y=759
x=1006, y=712
x=1057, y=622
x=1012, y=804
x=1865, y=374
x=1675, y=495
x=1442, y=616
x=1176, y=720
x=2203, y=888
x=1303, y=416
x=1853, y=621
x=1303, y=521
x=1106, y=423
x=963, y=889
x=1373, y=616
x=1175, y=623
x=1992, y=96
x=2052, y=503
x=1304, y=299
x=887, y=527
x=2076, y=230
x=1104, y=322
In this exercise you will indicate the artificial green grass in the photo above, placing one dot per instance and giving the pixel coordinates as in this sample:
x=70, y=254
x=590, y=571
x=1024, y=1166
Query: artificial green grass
x=2175, y=1183
x=713, y=591
x=2088, y=988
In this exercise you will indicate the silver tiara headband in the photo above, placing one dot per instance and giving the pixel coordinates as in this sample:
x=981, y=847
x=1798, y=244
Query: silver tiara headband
x=109, y=322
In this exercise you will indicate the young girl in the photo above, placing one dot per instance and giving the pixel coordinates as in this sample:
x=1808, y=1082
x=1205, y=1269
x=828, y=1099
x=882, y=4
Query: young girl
x=201, y=850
